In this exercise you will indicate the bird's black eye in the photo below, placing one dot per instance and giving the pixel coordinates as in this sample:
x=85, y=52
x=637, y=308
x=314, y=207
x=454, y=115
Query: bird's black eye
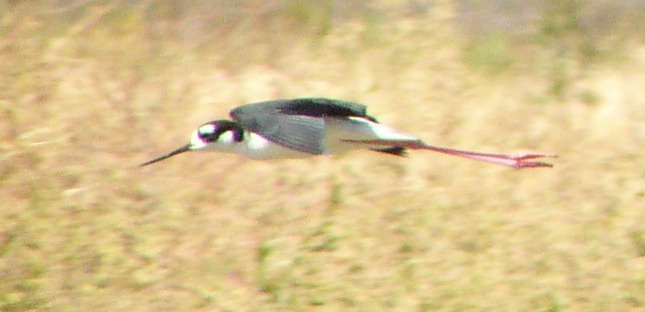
x=208, y=133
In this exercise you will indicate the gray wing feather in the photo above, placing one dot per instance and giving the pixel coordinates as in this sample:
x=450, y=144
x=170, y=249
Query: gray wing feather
x=305, y=134
x=301, y=133
x=296, y=123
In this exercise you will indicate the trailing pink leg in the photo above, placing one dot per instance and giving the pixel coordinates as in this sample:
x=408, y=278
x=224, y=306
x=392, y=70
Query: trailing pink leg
x=517, y=161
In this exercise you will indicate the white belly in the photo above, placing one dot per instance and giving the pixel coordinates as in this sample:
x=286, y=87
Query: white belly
x=338, y=131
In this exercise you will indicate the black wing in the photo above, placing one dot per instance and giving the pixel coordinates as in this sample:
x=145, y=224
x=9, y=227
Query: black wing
x=296, y=123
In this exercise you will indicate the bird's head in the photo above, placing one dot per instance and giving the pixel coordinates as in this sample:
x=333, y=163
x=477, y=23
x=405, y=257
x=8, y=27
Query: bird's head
x=217, y=135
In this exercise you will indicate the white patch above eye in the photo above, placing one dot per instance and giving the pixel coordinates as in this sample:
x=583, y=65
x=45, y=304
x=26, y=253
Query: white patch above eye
x=206, y=129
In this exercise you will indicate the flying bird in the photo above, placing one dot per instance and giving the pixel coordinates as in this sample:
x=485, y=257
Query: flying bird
x=305, y=127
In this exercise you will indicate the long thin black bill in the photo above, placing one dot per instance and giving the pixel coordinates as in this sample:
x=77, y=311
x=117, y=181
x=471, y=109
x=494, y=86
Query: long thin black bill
x=180, y=150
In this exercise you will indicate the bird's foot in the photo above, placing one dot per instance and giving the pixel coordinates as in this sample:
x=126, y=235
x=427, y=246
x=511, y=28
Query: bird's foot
x=525, y=160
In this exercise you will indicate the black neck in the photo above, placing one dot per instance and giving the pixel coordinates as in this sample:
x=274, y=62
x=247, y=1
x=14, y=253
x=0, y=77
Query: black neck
x=235, y=127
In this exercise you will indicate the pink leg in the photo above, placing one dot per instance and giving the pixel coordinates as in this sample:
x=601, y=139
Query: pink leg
x=517, y=161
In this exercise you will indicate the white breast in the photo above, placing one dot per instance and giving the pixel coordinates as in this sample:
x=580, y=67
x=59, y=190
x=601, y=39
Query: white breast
x=257, y=147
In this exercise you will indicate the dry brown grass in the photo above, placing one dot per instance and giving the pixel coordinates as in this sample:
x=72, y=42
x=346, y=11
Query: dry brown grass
x=88, y=92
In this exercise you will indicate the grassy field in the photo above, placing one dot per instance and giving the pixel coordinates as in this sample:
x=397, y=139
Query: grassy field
x=90, y=89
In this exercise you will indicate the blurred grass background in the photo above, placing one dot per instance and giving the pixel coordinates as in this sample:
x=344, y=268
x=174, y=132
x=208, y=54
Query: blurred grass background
x=89, y=89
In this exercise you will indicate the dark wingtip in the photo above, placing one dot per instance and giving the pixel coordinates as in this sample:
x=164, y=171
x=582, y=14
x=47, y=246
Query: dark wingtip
x=396, y=151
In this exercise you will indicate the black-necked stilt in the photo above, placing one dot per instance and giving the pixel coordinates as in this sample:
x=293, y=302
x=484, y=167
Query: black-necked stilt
x=296, y=128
